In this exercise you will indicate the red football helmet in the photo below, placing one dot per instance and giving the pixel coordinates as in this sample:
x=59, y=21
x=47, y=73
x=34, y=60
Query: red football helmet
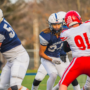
x=72, y=17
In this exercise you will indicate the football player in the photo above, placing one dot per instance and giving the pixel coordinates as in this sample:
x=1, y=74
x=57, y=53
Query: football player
x=17, y=57
x=78, y=37
x=50, y=46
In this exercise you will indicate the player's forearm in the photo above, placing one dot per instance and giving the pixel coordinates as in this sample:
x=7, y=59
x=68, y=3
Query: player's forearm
x=66, y=47
x=43, y=55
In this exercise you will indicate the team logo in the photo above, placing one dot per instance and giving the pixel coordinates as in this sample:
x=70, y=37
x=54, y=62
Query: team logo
x=69, y=20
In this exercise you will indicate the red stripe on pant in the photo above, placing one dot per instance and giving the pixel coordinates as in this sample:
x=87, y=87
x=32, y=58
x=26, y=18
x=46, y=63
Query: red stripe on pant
x=78, y=66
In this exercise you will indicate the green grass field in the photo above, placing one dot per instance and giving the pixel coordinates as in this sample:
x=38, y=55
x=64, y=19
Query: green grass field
x=28, y=80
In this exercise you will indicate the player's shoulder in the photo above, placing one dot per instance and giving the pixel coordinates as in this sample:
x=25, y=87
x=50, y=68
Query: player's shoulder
x=87, y=21
x=46, y=33
x=85, y=25
x=2, y=26
x=44, y=37
x=3, y=22
x=64, y=31
x=65, y=34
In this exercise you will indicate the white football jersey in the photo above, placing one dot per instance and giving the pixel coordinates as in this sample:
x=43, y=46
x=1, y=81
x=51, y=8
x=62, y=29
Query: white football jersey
x=79, y=39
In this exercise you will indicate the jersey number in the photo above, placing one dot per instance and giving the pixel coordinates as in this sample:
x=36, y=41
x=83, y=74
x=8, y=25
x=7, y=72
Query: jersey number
x=10, y=30
x=52, y=48
x=80, y=42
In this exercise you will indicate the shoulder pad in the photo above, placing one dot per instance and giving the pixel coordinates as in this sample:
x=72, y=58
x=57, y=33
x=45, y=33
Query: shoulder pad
x=44, y=38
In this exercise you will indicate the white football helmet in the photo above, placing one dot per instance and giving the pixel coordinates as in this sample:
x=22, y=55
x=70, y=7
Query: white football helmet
x=1, y=14
x=56, y=18
x=62, y=15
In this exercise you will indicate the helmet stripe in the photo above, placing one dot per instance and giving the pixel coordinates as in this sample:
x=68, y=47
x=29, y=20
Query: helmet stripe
x=56, y=17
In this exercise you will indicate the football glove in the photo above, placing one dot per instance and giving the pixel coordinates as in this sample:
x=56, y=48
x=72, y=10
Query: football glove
x=56, y=61
x=63, y=58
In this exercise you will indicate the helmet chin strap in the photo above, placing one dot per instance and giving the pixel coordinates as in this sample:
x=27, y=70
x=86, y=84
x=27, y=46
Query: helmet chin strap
x=53, y=30
x=56, y=31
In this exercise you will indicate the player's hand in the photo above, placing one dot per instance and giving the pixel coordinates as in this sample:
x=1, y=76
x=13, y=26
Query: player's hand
x=63, y=58
x=56, y=61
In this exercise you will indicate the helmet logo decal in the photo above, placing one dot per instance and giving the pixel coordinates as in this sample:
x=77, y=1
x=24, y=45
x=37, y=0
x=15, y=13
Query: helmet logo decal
x=69, y=20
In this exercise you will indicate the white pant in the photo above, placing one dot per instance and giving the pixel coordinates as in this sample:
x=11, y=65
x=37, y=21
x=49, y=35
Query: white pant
x=87, y=84
x=41, y=73
x=42, y=69
x=51, y=67
x=14, y=71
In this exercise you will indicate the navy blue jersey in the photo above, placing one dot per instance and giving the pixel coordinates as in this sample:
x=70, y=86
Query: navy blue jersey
x=62, y=52
x=53, y=44
x=8, y=37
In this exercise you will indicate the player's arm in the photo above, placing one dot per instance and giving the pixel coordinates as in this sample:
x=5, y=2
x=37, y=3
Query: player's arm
x=62, y=54
x=42, y=54
x=66, y=47
x=64, y=37
x=44, y=41
x=64, y=50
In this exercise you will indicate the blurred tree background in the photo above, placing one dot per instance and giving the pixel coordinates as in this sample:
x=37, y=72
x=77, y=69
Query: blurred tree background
x=23, y=13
